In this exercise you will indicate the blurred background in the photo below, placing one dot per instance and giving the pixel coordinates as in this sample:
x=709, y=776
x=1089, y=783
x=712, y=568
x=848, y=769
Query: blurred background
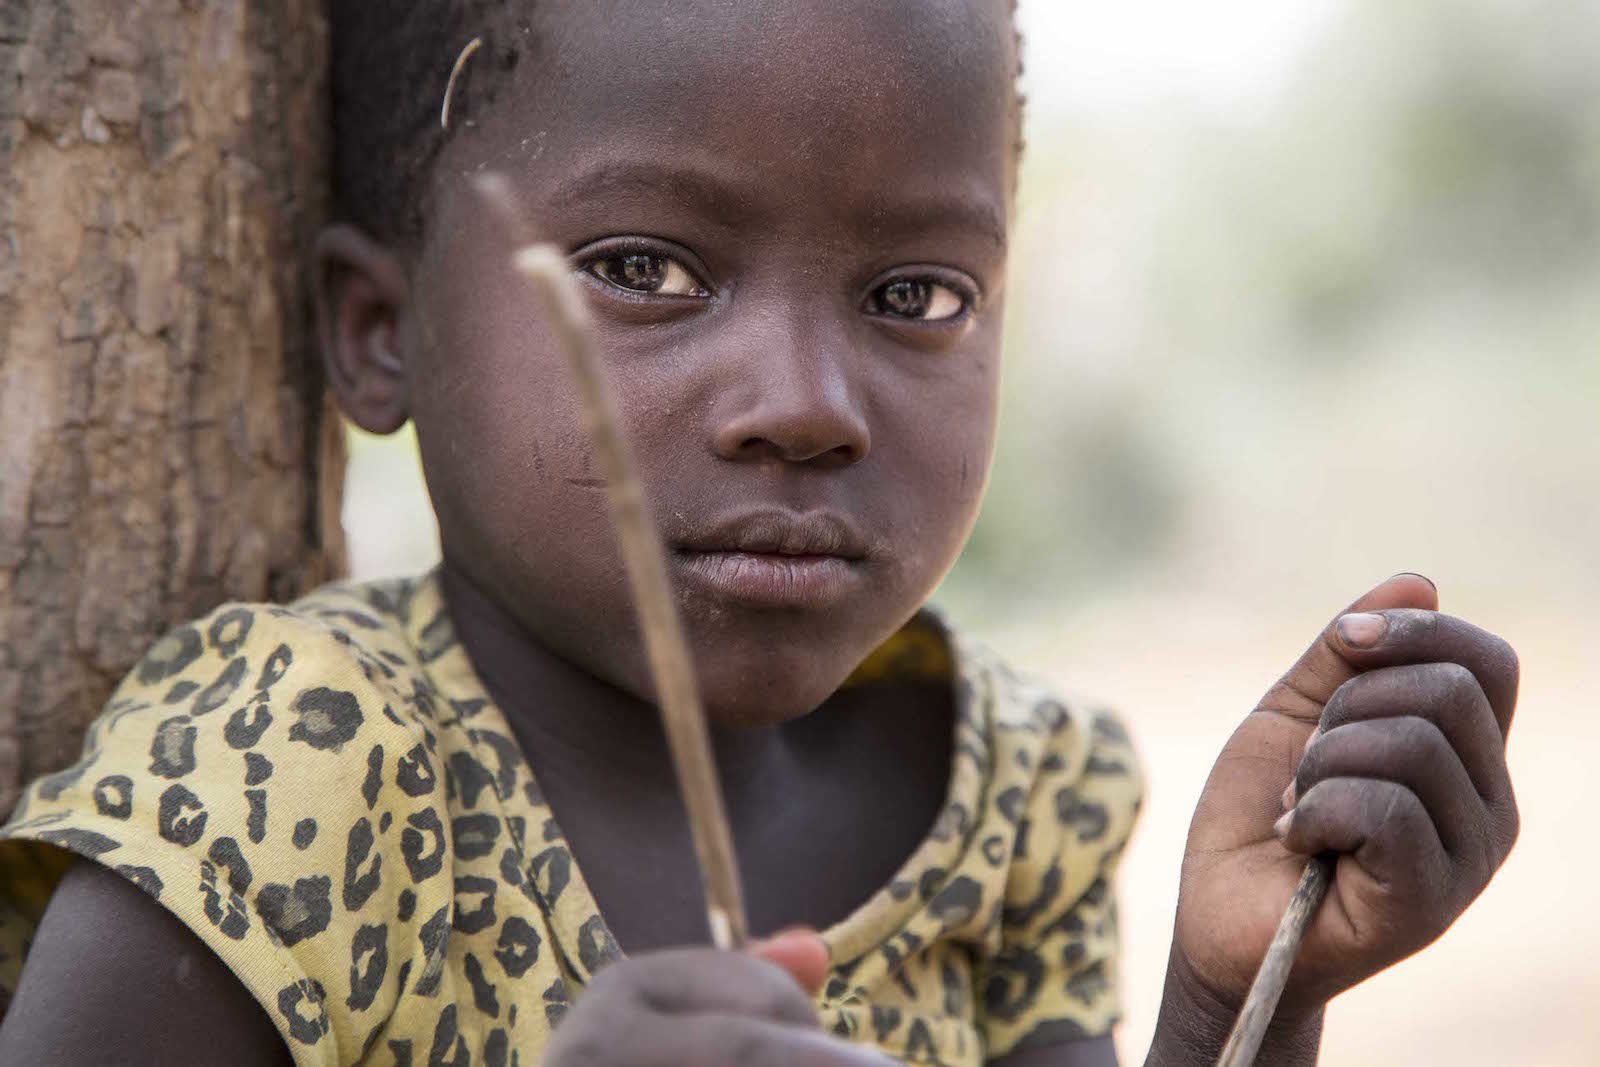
x=1303, y=293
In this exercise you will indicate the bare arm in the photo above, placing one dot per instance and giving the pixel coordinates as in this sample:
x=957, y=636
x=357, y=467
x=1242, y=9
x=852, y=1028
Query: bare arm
x=113, y=977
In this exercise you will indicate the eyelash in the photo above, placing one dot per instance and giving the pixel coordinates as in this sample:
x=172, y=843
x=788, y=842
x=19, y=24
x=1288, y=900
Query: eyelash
x=611, y=262
x=927, y=291
x=615, y=259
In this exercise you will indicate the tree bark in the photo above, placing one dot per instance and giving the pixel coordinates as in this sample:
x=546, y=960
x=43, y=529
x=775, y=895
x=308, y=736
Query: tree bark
x=165, y=438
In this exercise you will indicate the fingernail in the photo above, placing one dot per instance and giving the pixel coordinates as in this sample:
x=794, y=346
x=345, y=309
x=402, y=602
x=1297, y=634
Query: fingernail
x=1363, y=630
x=1281, y=827
x=1416, y=574
x=1288, y=796
x=1311, y=741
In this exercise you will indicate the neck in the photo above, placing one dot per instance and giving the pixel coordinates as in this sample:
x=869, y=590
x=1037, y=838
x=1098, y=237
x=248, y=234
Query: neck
x=568, y=719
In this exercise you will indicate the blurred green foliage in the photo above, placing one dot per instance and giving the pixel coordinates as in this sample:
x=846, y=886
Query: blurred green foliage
x=1199, y=299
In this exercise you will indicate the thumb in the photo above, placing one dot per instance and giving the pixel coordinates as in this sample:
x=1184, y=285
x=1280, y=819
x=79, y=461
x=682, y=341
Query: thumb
x=1324, y=667
x=801, y=952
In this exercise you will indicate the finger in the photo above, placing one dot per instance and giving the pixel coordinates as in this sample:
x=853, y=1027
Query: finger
x=1447, y=695
x=703, y=980
x=1384, y=828
x=1324, y=667
x=1411, y=752
x=800, y=952
x=737, y=1041
x=1395, y=636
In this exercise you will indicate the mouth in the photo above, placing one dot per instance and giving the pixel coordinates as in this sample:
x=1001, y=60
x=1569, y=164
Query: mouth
x=774, y=558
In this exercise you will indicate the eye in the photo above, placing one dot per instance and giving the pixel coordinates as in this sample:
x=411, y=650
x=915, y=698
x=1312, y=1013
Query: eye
x=647, y=273
x=919, y=300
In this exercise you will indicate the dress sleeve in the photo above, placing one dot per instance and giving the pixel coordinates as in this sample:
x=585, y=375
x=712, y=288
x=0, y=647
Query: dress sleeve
x=263, y=776
x=1055, y=978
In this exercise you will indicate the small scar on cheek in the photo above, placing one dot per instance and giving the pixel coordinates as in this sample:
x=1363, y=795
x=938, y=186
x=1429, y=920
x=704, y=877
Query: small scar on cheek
x=595, y=484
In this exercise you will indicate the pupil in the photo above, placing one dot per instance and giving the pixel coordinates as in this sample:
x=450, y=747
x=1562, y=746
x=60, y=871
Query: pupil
x=644, y=273
x=908, y=298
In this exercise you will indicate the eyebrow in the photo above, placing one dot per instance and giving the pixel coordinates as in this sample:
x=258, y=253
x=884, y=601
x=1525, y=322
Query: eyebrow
x=695, y=186
x=939, y=211
x=718, y=198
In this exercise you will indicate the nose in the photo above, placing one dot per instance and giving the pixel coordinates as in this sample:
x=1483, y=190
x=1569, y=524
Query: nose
x=794, y=403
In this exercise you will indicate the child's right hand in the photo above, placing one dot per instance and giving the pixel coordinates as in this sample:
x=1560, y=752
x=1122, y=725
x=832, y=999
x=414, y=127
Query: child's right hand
x=1386, y=741
x=702, y=1006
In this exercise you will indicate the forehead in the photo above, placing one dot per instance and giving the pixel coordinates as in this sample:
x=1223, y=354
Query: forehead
x=831, y=102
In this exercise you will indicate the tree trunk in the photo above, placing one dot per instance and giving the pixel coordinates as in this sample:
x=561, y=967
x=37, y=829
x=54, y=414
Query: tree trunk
x=165, y=442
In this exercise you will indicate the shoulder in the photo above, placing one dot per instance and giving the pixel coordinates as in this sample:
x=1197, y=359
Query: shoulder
x=1054, y=748
x=114, y=978
x=1067, y=774
x=268, y=775
x=325, y=670
x=244, y=652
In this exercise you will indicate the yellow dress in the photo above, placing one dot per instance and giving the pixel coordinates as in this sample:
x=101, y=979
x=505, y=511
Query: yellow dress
x=328, y=798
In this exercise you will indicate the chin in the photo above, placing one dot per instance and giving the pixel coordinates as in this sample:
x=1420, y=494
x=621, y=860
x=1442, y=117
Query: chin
x=763, y=667
x=763, y=691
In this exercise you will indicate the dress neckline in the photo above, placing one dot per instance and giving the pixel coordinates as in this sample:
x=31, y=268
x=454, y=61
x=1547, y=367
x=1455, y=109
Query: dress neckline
x=925, y=648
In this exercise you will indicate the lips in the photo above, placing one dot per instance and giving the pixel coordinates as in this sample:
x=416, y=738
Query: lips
x=779, y=533
x=774, y=558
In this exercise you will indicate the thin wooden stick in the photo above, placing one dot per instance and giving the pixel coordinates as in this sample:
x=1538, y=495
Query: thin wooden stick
x=548, y=272
x=1245, y=1040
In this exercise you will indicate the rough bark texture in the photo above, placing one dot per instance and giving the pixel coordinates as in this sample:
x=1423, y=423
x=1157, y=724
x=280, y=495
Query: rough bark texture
x=165, y=443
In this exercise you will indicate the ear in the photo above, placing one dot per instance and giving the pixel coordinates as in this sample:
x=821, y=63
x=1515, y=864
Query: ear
x=361, y=293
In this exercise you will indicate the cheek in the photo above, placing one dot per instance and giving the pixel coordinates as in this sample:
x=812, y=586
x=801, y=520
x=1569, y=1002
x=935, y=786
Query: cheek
x=948, y=435
x=505, y=454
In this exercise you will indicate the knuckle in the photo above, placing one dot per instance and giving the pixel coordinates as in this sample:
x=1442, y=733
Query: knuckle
x=780, y=998
x=1316, y=804
x=1453, y=680
x=1389, y=804
x=1412, y=625
x=1337, y=711
x=1309, y=772
x=621, y=981
x=1489, y=857
x=1510, y=830
x=1407, y=806
x=1477, y=862
x=1422, y=737
x=576, y=1044
x=1391, y=811
x=1505, y=664
x=732, y=1041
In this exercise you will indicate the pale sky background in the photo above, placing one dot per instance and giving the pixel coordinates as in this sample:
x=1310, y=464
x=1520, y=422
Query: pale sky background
x=1104, y=57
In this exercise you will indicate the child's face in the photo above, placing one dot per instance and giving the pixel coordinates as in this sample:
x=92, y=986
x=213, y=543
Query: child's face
x=793, y=218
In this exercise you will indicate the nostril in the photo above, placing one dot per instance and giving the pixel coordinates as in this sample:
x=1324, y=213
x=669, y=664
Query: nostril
x=798, y=452
x=812, y=434
x=759, y=448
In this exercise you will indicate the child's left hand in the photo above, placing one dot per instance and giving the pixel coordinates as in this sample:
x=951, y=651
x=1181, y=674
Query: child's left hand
x=1386, y=742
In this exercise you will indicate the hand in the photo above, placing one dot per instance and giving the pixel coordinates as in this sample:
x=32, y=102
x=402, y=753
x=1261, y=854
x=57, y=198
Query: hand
x=1387, y=742
x=701, y=1006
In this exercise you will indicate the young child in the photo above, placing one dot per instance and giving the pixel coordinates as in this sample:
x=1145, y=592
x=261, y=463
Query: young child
x=434, y=821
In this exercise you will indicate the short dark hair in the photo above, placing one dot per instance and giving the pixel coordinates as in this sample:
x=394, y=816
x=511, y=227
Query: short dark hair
x=391, y=59
x=391, y=63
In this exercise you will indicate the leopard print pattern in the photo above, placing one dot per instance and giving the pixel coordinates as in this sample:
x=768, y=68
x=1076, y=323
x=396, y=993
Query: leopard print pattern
x=326, y=796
